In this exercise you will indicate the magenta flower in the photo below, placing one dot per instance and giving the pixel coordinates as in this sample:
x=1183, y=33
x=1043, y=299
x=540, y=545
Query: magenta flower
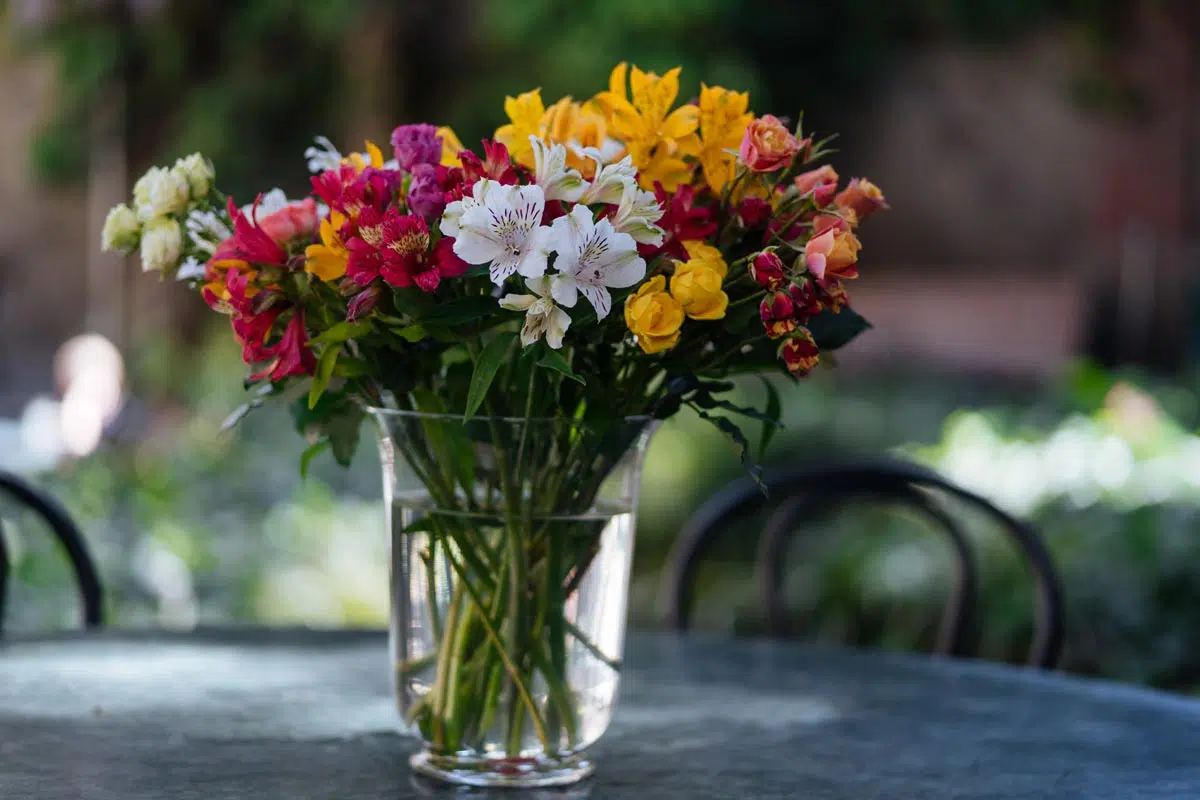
x=416, y=144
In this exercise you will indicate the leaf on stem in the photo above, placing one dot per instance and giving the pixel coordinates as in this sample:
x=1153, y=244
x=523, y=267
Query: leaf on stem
x=831, y=331
x=323, y=373
x=773, y=412
x=311, y=452
x=554, y=360
x=486, y=367
x=730, y=429
x=343, y=332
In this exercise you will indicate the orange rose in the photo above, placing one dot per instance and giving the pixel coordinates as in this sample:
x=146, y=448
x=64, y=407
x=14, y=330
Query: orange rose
x=833, y=254
x=862, y=196
x=768, y=145
x=820, y=177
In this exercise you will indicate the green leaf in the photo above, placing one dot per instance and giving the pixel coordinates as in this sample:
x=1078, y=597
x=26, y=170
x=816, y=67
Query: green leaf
x=412, y=301
x=351, y=368
x=730, y=429
x=342, y=332
x=343, y=432
x=737, y=318
x=412, y=333
x=831, y=331
x=461, y=311
x=311, y=452
x=774, y=411
x=324, y=372
x=554, y=360
x=486, y=367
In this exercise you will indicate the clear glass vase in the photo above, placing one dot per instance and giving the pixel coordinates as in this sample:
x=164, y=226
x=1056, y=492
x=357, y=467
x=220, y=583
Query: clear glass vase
x=511, y=544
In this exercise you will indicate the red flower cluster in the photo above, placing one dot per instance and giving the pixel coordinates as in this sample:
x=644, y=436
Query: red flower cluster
x=395, y=246
x=253, y=314
x=682, y=220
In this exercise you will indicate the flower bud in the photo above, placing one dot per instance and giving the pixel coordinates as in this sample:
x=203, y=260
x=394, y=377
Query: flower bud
x=121, y=230
x=776, y=314
x=799, y=353
x=767, y=269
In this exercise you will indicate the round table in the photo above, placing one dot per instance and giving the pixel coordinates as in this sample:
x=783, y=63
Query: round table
x=283, y=715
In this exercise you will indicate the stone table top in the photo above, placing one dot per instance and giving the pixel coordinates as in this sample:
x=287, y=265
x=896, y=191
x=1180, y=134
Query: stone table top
x=283, y=715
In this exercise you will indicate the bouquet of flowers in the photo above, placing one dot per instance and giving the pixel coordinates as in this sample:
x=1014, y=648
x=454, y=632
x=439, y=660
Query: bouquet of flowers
x=516, y=319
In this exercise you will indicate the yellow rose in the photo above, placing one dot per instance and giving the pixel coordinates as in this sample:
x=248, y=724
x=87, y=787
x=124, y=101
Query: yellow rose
x=697, y=287
x=701, y=253
x=654, y=316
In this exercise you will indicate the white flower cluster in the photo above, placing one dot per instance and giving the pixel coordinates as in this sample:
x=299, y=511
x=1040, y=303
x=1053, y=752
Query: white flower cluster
x=501, y=226
x=152, y=225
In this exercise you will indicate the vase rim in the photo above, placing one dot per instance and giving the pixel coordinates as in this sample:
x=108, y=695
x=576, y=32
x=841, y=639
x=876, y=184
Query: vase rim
x=379, y=411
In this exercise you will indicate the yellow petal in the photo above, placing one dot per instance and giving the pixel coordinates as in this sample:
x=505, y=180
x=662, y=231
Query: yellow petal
x=326, y=263
x=525, y=110
x=682, y=122
x=375, y=154
x=616, y=80
x=451, y=146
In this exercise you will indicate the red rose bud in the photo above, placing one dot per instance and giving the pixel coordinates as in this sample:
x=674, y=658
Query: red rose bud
x=754, y=211
x=776, y=313
x=800, y=353
x=806, y=300
x=862, y=196
x=767, y=270
x=833, y=295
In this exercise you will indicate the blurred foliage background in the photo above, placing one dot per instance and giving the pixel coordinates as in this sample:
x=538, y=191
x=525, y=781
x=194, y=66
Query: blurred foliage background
x=191, y=525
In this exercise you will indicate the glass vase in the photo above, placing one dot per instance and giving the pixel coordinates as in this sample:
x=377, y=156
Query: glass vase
x=511, y=543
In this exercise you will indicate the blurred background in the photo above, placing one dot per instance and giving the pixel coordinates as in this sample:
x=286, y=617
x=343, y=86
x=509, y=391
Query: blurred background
x=1033, y=291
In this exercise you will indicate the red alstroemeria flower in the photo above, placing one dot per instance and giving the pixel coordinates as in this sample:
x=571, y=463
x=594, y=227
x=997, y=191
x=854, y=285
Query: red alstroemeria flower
x=290, y=355
x=250, y=242
x=682, y=221
x=349, y=191
x=391, y=245
x=496, y=165
x=252, y=312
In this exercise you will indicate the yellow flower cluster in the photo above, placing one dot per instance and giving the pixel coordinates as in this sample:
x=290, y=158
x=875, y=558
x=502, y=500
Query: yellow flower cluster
x=635, y=117
x=655, y=314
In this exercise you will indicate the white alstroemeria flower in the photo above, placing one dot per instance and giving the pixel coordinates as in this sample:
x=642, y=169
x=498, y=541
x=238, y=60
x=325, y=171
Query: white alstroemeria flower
x=542, y=316
x=121, y=231
x=206, y=230
x=161, y=246
x=506, y=231
x=322, y=157
x=161, y=191
x=636, y=215
x=191, y=269
x=609, y=184
x=454, y=210
x=592, y=258
x=558, y=181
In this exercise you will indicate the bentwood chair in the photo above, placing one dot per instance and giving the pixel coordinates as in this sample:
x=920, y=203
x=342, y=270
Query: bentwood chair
x=805, y=493
x=69, y=538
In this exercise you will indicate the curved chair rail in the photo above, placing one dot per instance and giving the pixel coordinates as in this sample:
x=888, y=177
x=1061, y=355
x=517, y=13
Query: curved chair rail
x=69, y=537
x=813, y=489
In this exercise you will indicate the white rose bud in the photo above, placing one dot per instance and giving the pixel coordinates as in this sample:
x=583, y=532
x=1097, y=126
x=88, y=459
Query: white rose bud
x=121, y=230
x=159, y=192
x=199, y=173
x=162, y=244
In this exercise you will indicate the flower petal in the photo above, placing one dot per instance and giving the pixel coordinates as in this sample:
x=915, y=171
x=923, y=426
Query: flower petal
x=599, y=297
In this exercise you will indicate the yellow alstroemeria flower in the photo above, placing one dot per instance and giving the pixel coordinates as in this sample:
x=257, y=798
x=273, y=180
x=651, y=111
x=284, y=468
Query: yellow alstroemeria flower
x=373, y=157
x=723, y=121
x=327, y=260
x=701, y=254
x=525, y=113
x=451, y=146
x=657, y=138
x=581, y=124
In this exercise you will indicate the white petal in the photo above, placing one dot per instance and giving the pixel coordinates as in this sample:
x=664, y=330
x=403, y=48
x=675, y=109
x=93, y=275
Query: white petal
x=500, y=269
x=624, y=271
x=476, y=246
x=517, y=302
x=532, y=263
x=564, y=290
x=540, y=286
x=571, y=231
x=558, y=323
x=599, y=297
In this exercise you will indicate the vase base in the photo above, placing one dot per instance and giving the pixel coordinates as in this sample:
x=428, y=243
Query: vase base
x=517, y=773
